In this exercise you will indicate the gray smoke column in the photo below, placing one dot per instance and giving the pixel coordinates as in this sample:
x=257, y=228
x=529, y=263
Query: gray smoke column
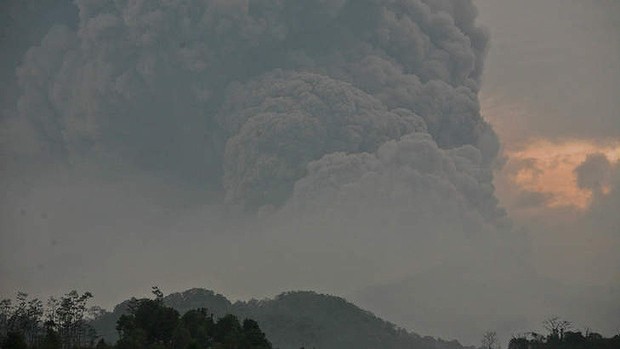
x=241, y=95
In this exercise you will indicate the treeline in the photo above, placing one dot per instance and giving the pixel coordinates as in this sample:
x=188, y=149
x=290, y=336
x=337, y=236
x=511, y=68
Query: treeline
x=61, y=323
x=560, y=335
x=148, y=323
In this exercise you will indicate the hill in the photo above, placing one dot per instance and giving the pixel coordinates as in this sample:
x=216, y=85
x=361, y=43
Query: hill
x=293, y=320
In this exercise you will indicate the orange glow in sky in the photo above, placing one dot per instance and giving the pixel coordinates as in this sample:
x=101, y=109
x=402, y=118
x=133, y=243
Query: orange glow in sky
x=548, y=168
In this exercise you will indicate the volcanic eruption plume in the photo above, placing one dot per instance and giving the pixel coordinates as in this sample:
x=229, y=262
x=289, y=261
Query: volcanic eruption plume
x=243, y=94
x=349, y=129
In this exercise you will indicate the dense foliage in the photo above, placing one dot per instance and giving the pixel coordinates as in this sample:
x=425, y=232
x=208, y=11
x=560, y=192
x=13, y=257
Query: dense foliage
x=306, y=319
x=559, y=336
x=151, y=324
x=564, y=340
x=291, y=320
x=63, y=323
x=147, y=324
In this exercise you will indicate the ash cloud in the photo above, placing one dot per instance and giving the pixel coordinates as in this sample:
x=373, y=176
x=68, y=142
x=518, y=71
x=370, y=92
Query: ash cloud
x=284, y=120
x=349, y=131
x=414, y=175
x=178, y=86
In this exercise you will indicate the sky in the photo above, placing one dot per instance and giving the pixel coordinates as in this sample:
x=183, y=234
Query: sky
x=431, y=166
x=550, y=91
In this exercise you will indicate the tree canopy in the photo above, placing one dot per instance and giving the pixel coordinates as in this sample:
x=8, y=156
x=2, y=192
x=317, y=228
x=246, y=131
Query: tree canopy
x=147, y=324
x=560, y=336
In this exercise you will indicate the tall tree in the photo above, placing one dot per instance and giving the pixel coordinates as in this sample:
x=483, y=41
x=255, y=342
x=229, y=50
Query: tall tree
x=556, y=328
x=490, y=340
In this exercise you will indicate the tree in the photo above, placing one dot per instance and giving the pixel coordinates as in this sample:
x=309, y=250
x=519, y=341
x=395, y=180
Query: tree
x=227, y=332
x=14, y=340
x=31, y=320
x=68, y=318
x=149, y=323
x=159, y=295
x=253, y=337
x=22, y=317
x=519, y=342
x=51, y=340
x=489, y=340
x=556, y=328
x=6, y=305
x=200, y=325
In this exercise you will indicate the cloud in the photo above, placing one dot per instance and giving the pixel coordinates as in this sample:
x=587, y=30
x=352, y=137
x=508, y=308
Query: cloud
x=594, y=173
x=152, y=84
x=284, y=120
x=349, y=131
x=602, y=177
x=413, y=174
x=552, y=168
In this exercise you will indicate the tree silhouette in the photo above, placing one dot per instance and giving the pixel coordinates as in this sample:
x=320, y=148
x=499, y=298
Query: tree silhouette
x=556, y=328
x=489, y=340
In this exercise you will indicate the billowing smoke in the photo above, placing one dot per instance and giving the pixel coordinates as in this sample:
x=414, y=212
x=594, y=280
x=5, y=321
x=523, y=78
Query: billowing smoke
x=282, y=121
x=242, y=95
x=352, y=127
x=412, y=167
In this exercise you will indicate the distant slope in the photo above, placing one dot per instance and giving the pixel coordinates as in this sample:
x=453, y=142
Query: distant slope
x=298, y=319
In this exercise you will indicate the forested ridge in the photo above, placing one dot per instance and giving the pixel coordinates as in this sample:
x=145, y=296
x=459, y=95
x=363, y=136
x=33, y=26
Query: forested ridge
x=200, y=318
x=293, y=320
x=67, y=323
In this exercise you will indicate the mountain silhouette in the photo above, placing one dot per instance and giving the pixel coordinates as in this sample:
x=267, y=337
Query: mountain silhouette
x=293, y=320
